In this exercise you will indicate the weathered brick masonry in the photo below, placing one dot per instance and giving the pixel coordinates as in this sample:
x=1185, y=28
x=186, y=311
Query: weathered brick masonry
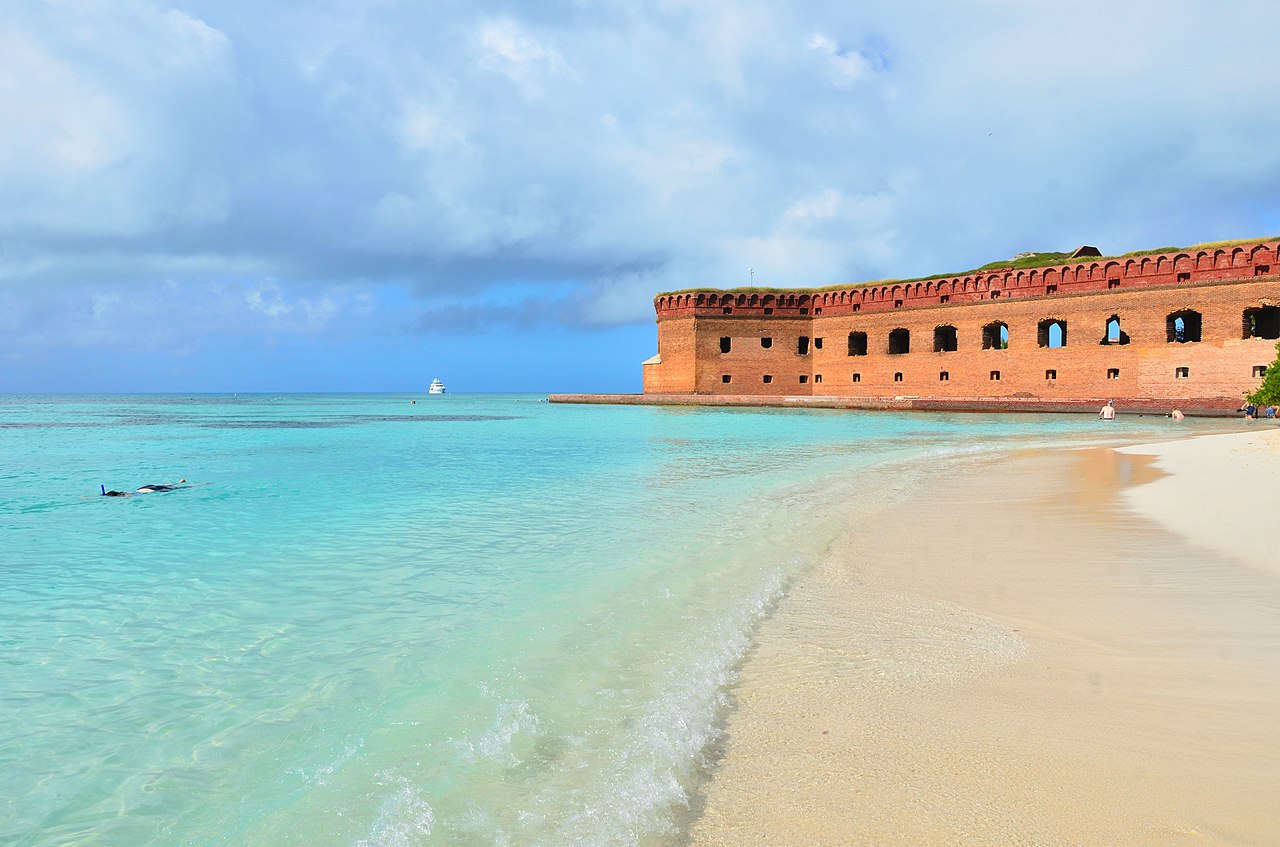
x=1194, y=329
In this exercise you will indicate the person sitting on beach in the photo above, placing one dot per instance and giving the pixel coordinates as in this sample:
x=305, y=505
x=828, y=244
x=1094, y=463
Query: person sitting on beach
x=1108, y=412
x=1177, y=415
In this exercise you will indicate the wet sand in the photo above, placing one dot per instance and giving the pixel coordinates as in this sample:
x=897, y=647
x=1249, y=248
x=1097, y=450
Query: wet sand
x=1020, y=657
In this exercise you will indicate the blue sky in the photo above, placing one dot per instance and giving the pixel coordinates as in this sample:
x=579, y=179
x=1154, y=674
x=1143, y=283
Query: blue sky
x=363, y=195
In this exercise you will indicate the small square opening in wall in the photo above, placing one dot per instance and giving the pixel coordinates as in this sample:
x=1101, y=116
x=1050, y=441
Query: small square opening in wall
x=817, y=377
x=945, y=298
x=726, y=378
x=857, y=377
x=1113, y=373
x=857, y=307
x=804, y=311
x=943, y=376
x=897, y=304
x=768, y=310
x=804, y=378
x=1050, y=375
x=1182, y=373
x=1184, y=277
x=1051, y=289
x=995, y=376
x=768, y=378
x=726, y=344
x=766, y=342
x=1113, y=283
x=995, y=295
x=728, y=311
x=897, y=377
x=1259, y=370
x=817, y=344
x=1261, y=270
x=818, y=311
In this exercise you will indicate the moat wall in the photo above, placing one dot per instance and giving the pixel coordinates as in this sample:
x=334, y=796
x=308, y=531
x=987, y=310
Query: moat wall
x=950, y=329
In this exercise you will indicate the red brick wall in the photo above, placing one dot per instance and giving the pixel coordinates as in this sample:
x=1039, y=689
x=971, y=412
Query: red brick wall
x=1223, y=283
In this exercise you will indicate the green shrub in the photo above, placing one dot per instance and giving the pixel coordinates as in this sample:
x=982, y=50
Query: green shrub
x=1268, y=394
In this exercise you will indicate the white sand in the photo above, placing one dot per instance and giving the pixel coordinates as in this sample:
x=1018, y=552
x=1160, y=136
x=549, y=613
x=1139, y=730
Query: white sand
x=1222, y=492
x=1016, y=659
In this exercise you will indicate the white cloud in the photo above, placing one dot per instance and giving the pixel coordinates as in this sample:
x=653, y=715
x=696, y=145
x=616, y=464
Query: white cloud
x=846, y=66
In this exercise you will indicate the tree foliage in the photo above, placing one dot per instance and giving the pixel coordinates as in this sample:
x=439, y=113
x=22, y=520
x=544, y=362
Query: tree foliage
x=1268, y=394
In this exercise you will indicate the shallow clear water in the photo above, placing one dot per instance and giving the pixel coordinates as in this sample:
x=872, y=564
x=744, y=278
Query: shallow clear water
x=469, y=620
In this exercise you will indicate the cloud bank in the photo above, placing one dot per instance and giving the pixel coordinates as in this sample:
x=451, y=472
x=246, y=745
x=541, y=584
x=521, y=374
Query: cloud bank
x=177, y=173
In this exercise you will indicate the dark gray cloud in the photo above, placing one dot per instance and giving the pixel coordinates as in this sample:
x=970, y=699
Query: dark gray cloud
x=173, y=171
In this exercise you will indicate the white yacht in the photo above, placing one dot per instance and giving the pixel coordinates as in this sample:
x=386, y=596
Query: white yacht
x=437, y=387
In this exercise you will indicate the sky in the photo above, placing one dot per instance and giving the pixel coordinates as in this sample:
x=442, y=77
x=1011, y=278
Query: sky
x=245, y=195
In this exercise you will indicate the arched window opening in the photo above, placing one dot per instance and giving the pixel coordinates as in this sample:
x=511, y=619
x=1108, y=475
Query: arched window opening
x=1183, y=327
x=995, y=336
x=766, y=342
x=945, y=339
x=857, y=344
x=1052, y=332
x=1114, y=334
x=1262, y=322
x=899, y=342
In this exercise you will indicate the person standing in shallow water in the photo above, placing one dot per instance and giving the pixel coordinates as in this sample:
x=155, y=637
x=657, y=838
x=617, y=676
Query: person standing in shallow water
x=1108, y=412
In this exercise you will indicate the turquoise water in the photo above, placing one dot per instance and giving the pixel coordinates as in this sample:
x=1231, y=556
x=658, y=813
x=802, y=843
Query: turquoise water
x=465, y=621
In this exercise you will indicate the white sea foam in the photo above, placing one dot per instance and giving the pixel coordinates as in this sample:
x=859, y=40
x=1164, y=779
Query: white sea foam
x=404, y=819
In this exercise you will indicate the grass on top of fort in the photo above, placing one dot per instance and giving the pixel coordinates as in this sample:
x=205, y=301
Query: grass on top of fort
x=1034, y=260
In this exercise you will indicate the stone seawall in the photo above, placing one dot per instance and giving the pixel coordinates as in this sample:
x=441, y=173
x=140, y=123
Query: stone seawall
x=1148, y=406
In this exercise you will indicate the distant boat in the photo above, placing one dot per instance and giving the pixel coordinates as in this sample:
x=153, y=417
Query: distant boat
x=437, y=387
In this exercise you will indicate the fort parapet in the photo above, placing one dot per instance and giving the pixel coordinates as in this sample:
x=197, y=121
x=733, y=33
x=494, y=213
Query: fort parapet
x=1191, y=328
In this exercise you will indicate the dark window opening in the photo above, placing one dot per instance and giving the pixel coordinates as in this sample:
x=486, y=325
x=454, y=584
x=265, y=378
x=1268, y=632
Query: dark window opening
x=995, y=376
x=768, y=310
x=995, y=336
x=995, y=294
x=767, y=379
x=1182, y=373
x=1262, y=322
x=899, y=342
x=857, y=377
x=1113, y=373
x=802, y=345
x=1051, y=289
x=804, y=311
x=766, y=342
x=945, y=298
x=1051, y=375
x=1183, y=327
x=728, y=311
x=818, y=311
x=817, y=344
x=943, y=376
x=817, y=377
x=725, y=344
x=1113, y=283
x=726, y=379
x=1052, y=333
x=897, y=304
x=1184, y=277
x=1114, y=334
x=857, y=344
x=804, y=378
x=1259, y=370
x=1261, y=270
x=897, y=377
x=857, y=307
x=945, y=339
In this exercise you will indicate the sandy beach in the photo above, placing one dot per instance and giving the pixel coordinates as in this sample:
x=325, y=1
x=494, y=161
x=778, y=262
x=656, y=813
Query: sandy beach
x=1073, y=647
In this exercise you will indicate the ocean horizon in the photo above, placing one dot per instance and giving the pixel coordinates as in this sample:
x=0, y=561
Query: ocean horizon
x=392, y=619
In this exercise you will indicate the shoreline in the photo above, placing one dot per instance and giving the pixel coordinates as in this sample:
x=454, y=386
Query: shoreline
x=1039, y=664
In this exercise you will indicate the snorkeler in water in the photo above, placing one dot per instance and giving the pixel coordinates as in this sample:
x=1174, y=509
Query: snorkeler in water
x=147, y=489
